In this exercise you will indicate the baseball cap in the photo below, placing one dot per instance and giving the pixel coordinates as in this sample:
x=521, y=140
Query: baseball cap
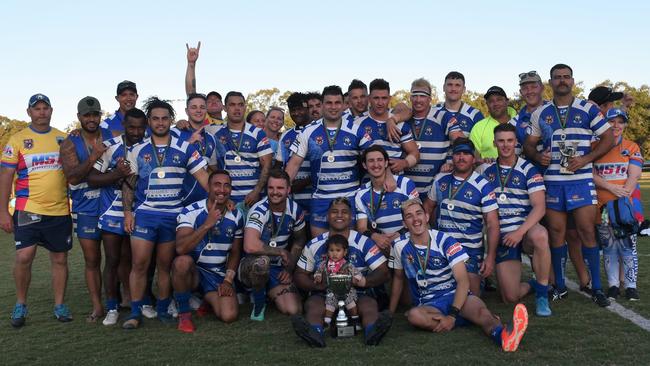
x=38, y=98
x=495, y=90
x=126, y=85
x=529, y=77
x=88, y=105
x=603, y=94
x=616, y=112
x=463, y=148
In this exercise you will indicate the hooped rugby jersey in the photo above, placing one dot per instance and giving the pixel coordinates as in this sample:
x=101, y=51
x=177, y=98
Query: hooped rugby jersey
x=375, y=132
x=465, y=118
x=384, y=209
x=110, y=198
x=304, y=172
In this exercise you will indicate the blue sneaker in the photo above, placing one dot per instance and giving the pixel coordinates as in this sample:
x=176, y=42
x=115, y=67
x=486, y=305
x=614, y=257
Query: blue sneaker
x=166, y=318
x=19, y=315
x=257, y=313
x=62, y=313
x=541, y=306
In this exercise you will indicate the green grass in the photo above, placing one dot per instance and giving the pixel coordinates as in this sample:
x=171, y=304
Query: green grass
x=578, y=333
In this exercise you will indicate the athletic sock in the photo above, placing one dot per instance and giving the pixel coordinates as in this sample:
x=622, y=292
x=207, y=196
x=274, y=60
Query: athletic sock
x=328, y=320
x=592, y=259
x=540, y=290
x=136, y=309
x=111, y=304
x=162, y=305
x=495, y=334
x=558, y=259
x=183, y=300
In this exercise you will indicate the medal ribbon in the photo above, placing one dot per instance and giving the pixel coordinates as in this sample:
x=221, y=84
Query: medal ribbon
x=504, y=182
x=451, y=195
x=241, y=139
x=275, y=230
x=160, y=160
x=417, y=133
x=566, y=117
x=332, y=141
x=423, y=261
x=373, y=208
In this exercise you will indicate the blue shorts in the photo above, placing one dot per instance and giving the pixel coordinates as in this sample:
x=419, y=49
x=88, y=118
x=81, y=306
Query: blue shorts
x=443, y=304
x=112, y=224
x=53, y=233
x=568, y=197
x=208, y=280
x=505, y=253
x=86, y=226
x=475, y=260
x=154, y=228
x=319, y=208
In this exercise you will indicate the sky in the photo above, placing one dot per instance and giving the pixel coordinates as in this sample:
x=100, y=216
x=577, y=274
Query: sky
x=71, y=49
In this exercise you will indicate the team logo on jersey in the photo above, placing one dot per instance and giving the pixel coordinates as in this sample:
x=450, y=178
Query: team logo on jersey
x=28, y=144
x=409, y=258
x=625, y=152
x=396, y=203
x=147, y=158
x=437, y=262
x=549, y=120
x=381, y=130
x=8, y=151
x=287, y=143
x=443, y=187
x=230, y=232
x=247, y=144
x=353, y=256
x=319, y=140
x=516, y=180
x=491, y=177
x=59, y=139
x=428, y=131
x=577, y=119
x=468, y=194
x=347, y=141
x=177, y=159
x=463, y=124
x=222, y=139
x=368, y=130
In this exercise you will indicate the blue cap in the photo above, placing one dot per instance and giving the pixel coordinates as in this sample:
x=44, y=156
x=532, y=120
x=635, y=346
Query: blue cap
x=615, y=112
x=39, y=98
x=463, y=148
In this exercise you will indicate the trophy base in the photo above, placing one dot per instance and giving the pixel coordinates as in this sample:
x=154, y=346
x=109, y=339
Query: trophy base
x=343, y=331
x=564, y=170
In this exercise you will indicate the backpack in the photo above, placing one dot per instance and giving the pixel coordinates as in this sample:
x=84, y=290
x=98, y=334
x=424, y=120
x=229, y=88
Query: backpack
x=621, y=217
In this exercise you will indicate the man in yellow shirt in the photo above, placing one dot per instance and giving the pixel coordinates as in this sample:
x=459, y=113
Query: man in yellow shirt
x=482, y=134
x=42, y=214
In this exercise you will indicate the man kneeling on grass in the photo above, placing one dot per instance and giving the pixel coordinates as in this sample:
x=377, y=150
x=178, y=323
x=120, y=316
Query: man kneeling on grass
x=432, y=263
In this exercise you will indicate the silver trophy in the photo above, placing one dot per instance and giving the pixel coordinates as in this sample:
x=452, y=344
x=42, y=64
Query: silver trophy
x=340, y=285
x=568, y=149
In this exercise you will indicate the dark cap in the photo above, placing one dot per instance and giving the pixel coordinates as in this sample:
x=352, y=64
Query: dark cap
x=616, y=112
x=89, y=105
x=38, y=98
x=603, y=94
x=468, y=148
x=495, y=90
x=126, y=85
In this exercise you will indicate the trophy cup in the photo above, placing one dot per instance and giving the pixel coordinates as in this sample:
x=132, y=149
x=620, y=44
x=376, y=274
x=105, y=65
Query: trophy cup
x=340, y=285
x=567, y=150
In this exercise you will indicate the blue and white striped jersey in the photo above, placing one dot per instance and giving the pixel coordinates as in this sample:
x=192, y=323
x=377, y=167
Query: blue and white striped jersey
x=339, y=177
x=283, y=154
x=247, y=148
x=110, y=198
x=375, y=133
x=85, y=200
x=519, y=184
x=522, y=122
x=159, y=186
x=114, y=123
x=211, y=253
x=583, y=121
x=466, y=117
x=277, y=226
x=432, y=136
x=438, y=279
x=462, y=215
x=363, y=254
x=384, y=208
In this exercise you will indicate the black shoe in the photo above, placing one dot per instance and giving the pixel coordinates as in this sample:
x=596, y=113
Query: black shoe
x=305, y=331
x=600, y=299
x=382, y=325
x=612, y=293
x=632, y=294
x=488, y=286
x=555, y=294
x=586, y=289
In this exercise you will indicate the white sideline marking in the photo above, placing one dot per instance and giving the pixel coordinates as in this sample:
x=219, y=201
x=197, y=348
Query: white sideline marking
x=615, y=307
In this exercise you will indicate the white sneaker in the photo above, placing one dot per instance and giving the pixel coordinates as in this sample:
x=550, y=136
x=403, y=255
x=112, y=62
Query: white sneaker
x=195, y=302
x=149, y=312
x=111, y=317
x=172, y=309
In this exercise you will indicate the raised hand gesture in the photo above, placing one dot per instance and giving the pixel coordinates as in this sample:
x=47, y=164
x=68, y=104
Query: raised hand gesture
x=192, y=53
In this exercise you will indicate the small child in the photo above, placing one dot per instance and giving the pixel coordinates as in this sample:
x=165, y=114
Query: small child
x=337, y=249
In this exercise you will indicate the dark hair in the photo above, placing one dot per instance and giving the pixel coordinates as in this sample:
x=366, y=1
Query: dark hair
x=134, y=113
x=379, y=84
x=216, y=94
x=337, y=239
x=332, y=90
x=232, y=94
x=153, y=103
x=313, y=95
x=195, y=96
x=505, y=127
x=345, y=95
x=455, y=75
x=372, y=148
x=250, y=115
x=280, y=174
x=344, y=200
x=296, y=100
x=560, y=66
x=219, y=172
x=357, y=84
x=462, y=141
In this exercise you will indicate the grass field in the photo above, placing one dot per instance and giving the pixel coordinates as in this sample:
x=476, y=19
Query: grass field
x=578, y=332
